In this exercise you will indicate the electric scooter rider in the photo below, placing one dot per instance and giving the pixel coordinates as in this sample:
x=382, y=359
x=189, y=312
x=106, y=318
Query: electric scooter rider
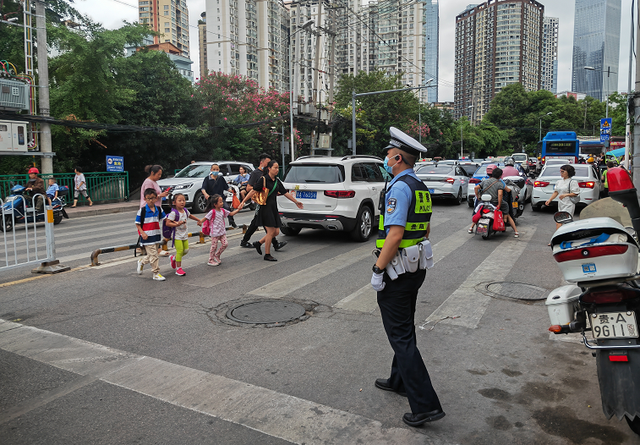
x=35, y=185
x=399, y=272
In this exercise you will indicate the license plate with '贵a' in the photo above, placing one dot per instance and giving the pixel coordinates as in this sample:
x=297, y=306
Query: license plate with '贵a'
x=614, y=325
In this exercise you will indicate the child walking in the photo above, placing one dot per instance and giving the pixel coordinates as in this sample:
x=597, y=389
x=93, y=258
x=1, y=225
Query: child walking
x=216, y=216
x=148, y=222
x=177, y=218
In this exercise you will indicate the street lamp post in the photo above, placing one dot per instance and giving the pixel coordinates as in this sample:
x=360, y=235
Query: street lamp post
x=609, y=72
x=353, y=108
x=292, y=143
x=540, y=121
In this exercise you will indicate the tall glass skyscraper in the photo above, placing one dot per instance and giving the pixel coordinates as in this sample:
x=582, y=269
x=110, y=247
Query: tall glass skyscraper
x=431, y=54
x=596, y=44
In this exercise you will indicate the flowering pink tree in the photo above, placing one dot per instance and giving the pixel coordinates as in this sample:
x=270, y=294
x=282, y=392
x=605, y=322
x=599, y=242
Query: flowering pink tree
x=415, y=130
x=228, y=100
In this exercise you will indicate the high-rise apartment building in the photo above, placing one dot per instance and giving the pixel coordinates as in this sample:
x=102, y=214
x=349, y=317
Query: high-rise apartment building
x=202, y=44
x=497, y=43
x=249, y=38
x=549, y=70
x=596, y=44
x=170, y=18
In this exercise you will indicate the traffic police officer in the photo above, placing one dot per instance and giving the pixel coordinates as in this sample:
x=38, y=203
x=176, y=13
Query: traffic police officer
x=404, y=222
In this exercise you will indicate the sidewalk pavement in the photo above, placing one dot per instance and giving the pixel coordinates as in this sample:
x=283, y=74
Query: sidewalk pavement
x=102, y=209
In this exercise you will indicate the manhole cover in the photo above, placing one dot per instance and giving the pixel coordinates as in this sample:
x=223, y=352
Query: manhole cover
x=269, y=311
x=517, y=291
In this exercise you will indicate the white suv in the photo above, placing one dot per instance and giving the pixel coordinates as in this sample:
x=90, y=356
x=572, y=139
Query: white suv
x=339, y=194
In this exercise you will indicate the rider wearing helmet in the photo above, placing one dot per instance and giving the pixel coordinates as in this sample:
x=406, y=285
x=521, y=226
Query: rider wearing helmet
x=509, y=168
x=35, y=185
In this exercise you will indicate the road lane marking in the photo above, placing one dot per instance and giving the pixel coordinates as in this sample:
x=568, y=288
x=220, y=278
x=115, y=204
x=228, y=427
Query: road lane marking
x=365, y=299
x=266, y=411
x=468, y=305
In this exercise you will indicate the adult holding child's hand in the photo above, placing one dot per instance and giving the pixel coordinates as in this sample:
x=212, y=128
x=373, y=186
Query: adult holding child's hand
x=268, y=214
x=155, y=173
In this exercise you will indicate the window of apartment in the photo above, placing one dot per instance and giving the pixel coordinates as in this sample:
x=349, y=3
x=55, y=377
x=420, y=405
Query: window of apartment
x=166, y=7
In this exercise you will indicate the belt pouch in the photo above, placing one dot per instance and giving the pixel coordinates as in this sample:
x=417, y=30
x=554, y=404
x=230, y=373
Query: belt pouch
x=391, y=272
x=397, y=264
x=426, y=255
x=411, y=258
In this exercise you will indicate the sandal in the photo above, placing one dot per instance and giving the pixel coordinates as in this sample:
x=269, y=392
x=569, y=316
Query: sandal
x=517, y=235
x=470, y=231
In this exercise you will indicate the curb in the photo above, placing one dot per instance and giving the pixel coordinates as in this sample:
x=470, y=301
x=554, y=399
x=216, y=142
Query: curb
x=101, y=211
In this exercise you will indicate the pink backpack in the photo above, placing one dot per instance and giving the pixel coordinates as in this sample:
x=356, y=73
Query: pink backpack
x=206, y=225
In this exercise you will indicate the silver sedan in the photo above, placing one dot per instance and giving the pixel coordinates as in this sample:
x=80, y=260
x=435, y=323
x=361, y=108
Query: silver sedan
x=445, y=181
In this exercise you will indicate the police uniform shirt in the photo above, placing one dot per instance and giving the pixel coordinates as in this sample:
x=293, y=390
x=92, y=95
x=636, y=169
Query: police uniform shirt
x=397, y=201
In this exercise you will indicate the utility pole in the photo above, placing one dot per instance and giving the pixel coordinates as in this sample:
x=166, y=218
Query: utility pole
x=627, y=129
x=43, y=84
x=636, y=126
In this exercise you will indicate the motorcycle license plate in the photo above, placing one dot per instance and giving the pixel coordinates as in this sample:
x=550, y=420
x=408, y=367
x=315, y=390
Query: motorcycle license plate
x=306, y=195
x=515, y=204
x=482, y=229
x=614, y=325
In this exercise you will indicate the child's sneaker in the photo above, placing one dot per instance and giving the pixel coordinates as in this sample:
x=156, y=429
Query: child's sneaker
x=139, y=268
x=158, y=277
x=172, y=259
x=213, y=263
x=180, y=272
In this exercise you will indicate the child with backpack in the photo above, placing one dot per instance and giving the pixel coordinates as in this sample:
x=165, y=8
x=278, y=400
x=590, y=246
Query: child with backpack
x=175, y=228
x=148, y=224
x=213, y=223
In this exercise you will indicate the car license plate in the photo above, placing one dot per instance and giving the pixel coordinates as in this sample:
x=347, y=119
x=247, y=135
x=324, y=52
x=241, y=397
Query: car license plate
x=306, y=195
x=432, y=190
x=614, y=325
x=589, y=268
x=515, y=204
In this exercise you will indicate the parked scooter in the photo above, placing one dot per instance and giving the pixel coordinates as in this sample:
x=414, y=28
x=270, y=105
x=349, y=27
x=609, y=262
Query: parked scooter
x=18, y=208
x=484, y=225
x=600, y=257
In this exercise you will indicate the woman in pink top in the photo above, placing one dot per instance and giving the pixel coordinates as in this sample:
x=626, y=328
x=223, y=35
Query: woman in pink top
x=155, y=173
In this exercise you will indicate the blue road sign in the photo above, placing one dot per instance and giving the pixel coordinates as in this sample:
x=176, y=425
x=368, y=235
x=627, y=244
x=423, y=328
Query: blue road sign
x=605, y=125
x=604, y=137
x=115, y=163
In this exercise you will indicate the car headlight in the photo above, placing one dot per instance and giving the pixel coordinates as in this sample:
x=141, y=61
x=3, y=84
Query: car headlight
x=183, y=187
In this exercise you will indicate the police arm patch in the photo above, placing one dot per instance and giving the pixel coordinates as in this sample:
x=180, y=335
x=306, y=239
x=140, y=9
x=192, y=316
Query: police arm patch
x=391, y=205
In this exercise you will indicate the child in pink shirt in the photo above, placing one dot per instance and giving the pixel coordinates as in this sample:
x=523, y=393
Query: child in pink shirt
x=216, y=215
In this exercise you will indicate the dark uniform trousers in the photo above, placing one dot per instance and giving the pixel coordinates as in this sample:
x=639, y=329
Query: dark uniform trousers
x=397, y=302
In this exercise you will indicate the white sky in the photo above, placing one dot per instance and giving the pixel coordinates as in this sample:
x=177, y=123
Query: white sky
x=111, y=13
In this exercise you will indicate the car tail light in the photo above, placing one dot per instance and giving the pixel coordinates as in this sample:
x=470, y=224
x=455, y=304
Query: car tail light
x=541, y=183
x=544, y=158
x=340, y=193
x=586, y=185
x=450, y=180
x=610, y=296
x=590, y=252
x=474, y=181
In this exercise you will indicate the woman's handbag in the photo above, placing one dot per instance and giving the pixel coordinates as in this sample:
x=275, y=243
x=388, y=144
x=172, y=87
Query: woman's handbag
x=260, y=197
x=498, y=222
x=235, y=202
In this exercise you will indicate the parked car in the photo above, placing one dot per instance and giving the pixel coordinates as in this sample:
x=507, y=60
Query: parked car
x=588, y=180
x=339, y=194
x=445, y=181
x=469, y=167
x=481, y=173
x=188, y=181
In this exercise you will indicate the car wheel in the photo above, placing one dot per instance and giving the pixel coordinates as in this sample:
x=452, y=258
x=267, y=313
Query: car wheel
x=364, y=224
x=199, y=203
x=289, y=231
x=534, y=207
x=458, y=199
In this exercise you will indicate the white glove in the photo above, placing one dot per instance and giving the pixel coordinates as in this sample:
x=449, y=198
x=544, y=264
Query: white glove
x=377, y=281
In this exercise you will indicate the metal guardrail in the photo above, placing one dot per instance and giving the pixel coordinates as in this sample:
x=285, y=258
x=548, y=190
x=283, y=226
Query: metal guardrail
x=101, y=186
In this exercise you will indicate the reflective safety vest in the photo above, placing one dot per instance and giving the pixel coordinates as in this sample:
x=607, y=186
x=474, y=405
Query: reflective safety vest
x=606, y=182
x=418, y=218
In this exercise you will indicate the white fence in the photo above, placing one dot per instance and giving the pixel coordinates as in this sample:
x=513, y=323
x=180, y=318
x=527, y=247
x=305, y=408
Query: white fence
x=26, y=235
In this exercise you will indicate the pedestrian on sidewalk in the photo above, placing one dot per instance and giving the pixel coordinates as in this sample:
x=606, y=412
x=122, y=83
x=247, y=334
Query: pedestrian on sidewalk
x=80, y=187
x=155, y=173
x=268, y=215
x=218, y=232
x=215, y=184
x=177, y=219
x=256, y=176
x=148, y=222
x=406, y=222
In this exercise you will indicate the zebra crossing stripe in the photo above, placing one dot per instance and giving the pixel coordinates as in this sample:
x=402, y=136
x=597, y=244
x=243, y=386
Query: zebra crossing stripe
x=466, y=306
x=269, y=412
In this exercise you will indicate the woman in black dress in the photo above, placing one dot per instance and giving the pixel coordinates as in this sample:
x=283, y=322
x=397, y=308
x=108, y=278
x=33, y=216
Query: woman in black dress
x=268, y=214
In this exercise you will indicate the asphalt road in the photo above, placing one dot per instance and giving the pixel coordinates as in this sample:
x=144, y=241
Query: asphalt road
x=102, y=355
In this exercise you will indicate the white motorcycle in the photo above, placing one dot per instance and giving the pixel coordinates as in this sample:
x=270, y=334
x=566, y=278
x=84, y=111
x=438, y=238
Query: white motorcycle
x=236, y=191
x=600, y=257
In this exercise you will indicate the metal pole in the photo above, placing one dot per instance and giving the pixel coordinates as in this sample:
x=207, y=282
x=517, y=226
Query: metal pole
x=540, y=132
x=461, y=141
x=419, y=127
x=606, y=114
x=627, y=129
x=291, y=141
x=636, y=116
x=43, y=83
x=353, y=122
x=282, y=150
